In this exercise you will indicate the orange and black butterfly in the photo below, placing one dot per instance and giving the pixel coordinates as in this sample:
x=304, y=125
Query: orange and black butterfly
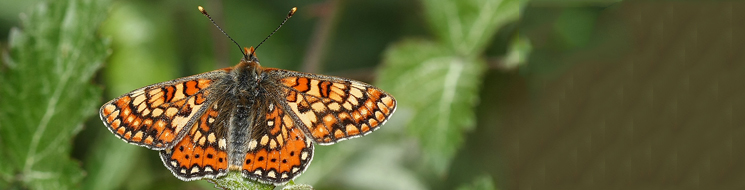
x=260, y=121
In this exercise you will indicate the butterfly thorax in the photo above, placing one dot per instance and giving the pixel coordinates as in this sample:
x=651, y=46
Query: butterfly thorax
x=246, y=77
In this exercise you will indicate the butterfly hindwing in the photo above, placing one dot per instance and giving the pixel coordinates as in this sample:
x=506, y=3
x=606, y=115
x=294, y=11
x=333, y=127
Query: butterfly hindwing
x=332, y=109
x=158, y=115
x=278, y=150
x=202, y=152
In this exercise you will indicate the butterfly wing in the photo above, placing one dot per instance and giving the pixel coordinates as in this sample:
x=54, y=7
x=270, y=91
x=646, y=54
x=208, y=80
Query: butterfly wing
x=158, y=115
x=331, y=109
x=203, y=151
x=278, y=150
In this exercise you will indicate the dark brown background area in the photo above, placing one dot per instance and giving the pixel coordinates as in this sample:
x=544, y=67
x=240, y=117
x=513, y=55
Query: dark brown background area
x=653, y=98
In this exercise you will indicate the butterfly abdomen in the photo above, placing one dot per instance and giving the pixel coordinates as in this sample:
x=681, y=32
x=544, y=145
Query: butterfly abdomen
x=239, y=130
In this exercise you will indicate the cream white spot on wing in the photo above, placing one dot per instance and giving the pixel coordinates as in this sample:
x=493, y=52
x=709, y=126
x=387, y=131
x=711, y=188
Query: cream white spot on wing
x=222, y=144
x=145, y=112
x=141, y=107
x=170, y=112
x=355, y=92
x=318, y=107
x=347, y=106
x=353, y=100
x=197, y=136
x=177, y=122
x=264, y=140
x=157, y=112
x=304, y=155
x=201, y=141
x=211, y=138
x=195, y=169
x=252, y=144
x=273, y=144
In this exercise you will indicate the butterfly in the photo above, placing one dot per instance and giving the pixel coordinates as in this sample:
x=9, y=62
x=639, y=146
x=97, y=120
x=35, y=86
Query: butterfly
x=259, y=121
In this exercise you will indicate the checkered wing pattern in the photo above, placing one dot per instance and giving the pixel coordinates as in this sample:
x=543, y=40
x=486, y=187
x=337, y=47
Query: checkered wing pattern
x=203, y=151
x=331, y=109
x=157, y=116
x=278, y=150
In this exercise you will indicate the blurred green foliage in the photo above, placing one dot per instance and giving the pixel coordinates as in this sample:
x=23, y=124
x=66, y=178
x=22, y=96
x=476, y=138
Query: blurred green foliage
x=47, y=93
x=479, y=183
x=446, y=74
x=234, y=180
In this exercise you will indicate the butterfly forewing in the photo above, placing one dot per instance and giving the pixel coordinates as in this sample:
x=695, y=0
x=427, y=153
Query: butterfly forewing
x=158, y=115
x=332, y=109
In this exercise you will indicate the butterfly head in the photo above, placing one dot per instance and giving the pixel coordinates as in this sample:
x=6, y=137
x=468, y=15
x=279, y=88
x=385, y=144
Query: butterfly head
x=249, y=58
x=250, y=64
x=249, y=55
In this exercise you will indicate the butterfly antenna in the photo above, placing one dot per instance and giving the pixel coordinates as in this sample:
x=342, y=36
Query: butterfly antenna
x=292, y=12
x=204, y=12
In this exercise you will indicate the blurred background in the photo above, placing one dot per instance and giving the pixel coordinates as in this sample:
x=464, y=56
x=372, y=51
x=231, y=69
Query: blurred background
x=493, y=94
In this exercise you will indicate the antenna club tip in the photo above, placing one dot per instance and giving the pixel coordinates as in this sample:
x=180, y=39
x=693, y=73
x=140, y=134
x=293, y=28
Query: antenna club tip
x=201, y=9
x=292, y=11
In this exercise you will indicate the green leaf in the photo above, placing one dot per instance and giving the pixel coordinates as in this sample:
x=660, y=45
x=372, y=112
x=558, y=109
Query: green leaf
x=298, y=187
x=483, y=182
x=46, y=93
x=468, y=25
x=234, y=180
x=518, y=53
x=441, y=88
x=144, y=55
x=439, y=81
